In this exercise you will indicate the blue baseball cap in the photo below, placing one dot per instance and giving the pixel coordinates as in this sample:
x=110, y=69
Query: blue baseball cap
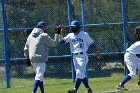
x=42, y=23
x=75, y=23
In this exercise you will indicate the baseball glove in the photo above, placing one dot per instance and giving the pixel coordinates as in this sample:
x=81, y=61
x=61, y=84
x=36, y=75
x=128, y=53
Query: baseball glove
x=28, y=62
x=58, y=30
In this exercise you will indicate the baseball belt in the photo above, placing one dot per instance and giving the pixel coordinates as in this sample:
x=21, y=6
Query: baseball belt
x=78, y=53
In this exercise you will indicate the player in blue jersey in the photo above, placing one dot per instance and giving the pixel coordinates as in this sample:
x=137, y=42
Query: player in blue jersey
x=79, y=43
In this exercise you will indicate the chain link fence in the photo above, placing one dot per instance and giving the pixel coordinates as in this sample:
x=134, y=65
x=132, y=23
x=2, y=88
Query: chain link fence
x=103, y=22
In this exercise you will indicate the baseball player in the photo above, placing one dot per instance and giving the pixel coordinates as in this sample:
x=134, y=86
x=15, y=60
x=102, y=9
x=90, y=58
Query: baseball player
x=79, y=43
x=36, y=50
x=132, y=59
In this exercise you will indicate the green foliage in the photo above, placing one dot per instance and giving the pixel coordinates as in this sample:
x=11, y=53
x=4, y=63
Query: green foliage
x=109, y=38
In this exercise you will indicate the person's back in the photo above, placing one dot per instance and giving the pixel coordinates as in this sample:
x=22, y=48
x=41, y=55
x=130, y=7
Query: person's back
x=38, y=50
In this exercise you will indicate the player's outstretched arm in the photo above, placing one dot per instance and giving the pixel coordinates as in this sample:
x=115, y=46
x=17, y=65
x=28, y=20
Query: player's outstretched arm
x=49, y=41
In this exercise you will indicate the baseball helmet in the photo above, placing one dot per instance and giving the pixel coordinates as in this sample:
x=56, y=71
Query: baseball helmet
x=42, y=23
x=75, y=23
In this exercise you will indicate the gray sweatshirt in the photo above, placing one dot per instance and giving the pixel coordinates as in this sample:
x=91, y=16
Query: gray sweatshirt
x=36, y=47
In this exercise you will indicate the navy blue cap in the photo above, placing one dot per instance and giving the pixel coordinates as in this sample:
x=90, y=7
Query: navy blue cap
x=42, y=23
x=75, y=23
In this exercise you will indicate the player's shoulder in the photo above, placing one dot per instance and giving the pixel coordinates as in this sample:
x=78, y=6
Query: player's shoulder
x=83, y=32
x=137, y=43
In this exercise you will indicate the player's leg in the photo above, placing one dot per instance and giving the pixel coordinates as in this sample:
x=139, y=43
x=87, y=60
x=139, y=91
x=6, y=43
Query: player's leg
x=85, y=80
x=77, y=84
x=80, y=72
x=131, y=65
x=78, y=80
x=122, y=83
x=36, y=82
x=41, y=87
x=127, y=77
x=39, y=77
x=42, y=70
x=132, y=69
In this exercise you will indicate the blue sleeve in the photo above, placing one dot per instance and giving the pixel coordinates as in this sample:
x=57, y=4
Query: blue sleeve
x=93, y=45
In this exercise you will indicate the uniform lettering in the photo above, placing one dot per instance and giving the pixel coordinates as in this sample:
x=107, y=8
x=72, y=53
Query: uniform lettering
x=77, y=40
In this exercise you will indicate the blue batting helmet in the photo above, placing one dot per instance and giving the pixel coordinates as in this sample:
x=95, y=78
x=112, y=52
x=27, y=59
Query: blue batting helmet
x=42, y=23
x=75, y=23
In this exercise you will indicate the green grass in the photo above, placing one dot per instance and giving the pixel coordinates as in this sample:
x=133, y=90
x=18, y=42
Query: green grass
x=98, y=85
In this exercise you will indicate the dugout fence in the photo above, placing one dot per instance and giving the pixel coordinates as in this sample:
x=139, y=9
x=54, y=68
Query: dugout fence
x=110, y=23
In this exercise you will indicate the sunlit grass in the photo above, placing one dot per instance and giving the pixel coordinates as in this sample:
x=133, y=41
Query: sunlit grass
x=98, y=85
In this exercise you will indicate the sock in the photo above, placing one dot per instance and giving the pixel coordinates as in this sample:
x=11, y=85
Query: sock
x=127, y=78
x=127, y=71
x=36, y=84
x=85, y=82
x=41, y=87
x=78, y=82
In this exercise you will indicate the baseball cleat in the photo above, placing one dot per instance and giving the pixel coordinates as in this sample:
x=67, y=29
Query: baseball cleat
x=89, y=91
x=72, y=91
x=121, y=87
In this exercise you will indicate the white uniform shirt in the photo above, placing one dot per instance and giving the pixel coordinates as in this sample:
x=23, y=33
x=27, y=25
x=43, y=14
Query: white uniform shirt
x=134, y=48
x=79, y=42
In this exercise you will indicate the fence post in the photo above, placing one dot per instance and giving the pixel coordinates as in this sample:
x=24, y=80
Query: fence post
x=124, y=31
x=83, y=14
x=6, y=54
x=69, y=11
x=69, y=21
x=124, y=23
